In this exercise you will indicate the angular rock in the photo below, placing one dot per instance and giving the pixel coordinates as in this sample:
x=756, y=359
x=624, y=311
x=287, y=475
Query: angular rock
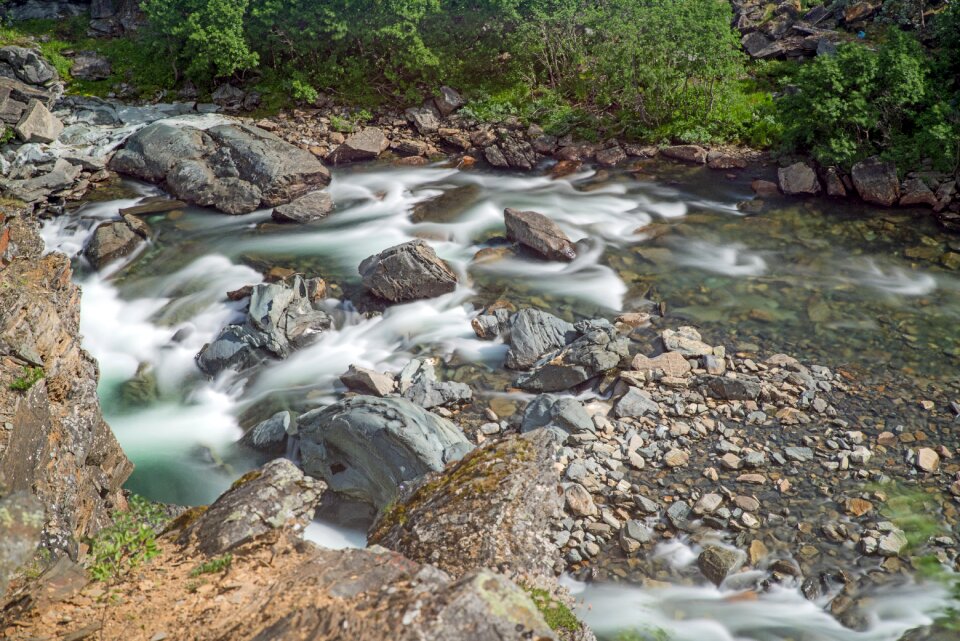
x=916, y=192
x=89, y=65
x=37, y=124
x=28, y=65
x=716, y=563
x=798, y=179
x=686, y=341
x=578, y=500
x=405, y=272
x=928, y=460
x=742, y=388
x=754, y=43
x=62, y=176
x=599, y=349
x=563, y=412
x=277, y=495
x=670, y=363
x=633, y=535
x=876, y=181
x=110, y=241
x=611, y=157
x=368, y=381
x=635, y=402
x=363, y=145
x=448, y=101
x=533, y=333
x=495, y=157
x=305, y=209
x=270, y=436
x=419, y=384
x=424, y=119
x=723, y=160
x=539, y=233
x=835, y=186
x=687, y=153
x=365, y=447
x=518, y=154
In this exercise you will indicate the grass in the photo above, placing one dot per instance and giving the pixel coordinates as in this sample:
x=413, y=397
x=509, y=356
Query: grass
x=31, y=376
x=558, y=616
x=213, y=566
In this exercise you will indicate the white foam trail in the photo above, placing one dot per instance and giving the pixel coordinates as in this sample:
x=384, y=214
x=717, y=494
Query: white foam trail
x=891, y=280
x=730, y=260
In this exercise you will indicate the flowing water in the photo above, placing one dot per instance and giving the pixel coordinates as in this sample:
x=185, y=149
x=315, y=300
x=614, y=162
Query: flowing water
x=824, y=282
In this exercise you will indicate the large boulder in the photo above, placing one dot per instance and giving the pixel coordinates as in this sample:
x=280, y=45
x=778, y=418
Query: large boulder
x=493, y=509
x=405, y=272
x=598, y=349
x=366, y=447
x=533, y=333
x=235, y=168
x=876, y=181
x=363, y=145
x=539, y=233
x=798, y=179
x=26, y=65
x=916, y=192
x=448, y=101
x=687, y=153
x=37, y=124
x=305, y=209
x=277, y=495
x=110, y=241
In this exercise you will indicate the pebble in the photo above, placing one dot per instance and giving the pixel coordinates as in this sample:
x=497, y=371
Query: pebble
x=927, y=459
x=676, y=458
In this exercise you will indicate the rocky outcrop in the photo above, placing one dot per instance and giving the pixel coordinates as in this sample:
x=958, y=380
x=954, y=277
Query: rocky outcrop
x=235, y=168
x=539, y=233
x=876, y=181
x=54, y=442
x=366, y=447
x=492, y=510
x=410, y=271
x=276, y=496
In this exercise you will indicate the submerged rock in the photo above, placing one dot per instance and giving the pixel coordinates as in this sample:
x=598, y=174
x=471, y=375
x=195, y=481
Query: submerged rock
x=365, y=447
x=306, y=209
x=539, y=233
x=110, y=241
x=410, y=271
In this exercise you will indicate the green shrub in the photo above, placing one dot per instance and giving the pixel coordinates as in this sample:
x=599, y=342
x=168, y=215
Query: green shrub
x=213, y=566
x=129, y=542
x=31, y=376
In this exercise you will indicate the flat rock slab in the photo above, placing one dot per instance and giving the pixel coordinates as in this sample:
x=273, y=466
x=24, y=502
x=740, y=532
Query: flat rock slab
x=306, y=209
x=364, y=145
x=539, y=233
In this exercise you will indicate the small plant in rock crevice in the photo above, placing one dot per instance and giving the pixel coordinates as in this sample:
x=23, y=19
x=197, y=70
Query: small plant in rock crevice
x=556, y=614
x=128, y=543
x=31, y=376
x=213, y=566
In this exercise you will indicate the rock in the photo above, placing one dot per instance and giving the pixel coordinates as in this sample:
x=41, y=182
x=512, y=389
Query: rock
x=563, y=412
x=518, y=154
x=635, y=402
x=446, y=207
x=916, y=192
x=448, y=101
x=89, y=65
x=765, y=188
x=365, y=447
x=23, y=519
x=798, y=179
x=28, y=65
x=754, y=43
x=62, y=176
x=857, y=11
x=110, y=241
x=611, y=156
x=236, y=168
x=367, y=381
x=676, y=458
x=37, y=124
x=892, y=543
x=857, y=506
x=493, y=509
x=670, y=363
x=419, y=384
x=685, y=341
x=275, y=496
x=533, y=333
x=723, y=160
x=716, y=563
x=707, y=504
x=633, y=535
x=742, y=388
x=876, y=181
x=686, y=153
x=599, y=349
x=363, y=145
x=409, y=271
x=539, y=233
x=835, y=186
x=305, y=209
x=798, y=454
x=927, y=459
x=424, y=119
x=270, y=436
x=229, y=97
x=495, y=157
x=578, y=500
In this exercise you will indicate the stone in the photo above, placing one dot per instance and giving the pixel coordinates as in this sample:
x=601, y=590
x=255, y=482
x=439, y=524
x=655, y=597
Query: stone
x=365, y=447
x=798, y=454
x=228, y=96
x=746, y=503
x=857, y=506
x=272, y=497
x=723, y=160
x=611, y=157
x=876, y=181
x=551, y=410
x=518, y=154
x=495, y=157
x=676, y=458
x=424, y=119
x=928, y=460
x=686, y=341
x=798, y=179
x=62, y=176
x=23, y=519
x=366, y=144
x=687, y=153
x=707, y=504
x=578, y=501
x=28, y=65
x=834, y=181
x=533, y=333
x=270, y=436
x=765, y=188
x=37, y=124
x=916, y=192
x=717, y=563
x=599, y=349
x=405, y=272
x=110, y=241
x=448, y=101
x=892, y=543
x=306, y=209
x=89, y=65
x=670, y=363
x=419, y=384
x=742, y=388
x=857, y=11
x=634, y=403
x=368, y=381
x=633, y=535
x=754, y=43
x=539, y=233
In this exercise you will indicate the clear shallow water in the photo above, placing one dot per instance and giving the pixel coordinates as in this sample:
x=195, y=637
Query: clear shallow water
x=822, y=282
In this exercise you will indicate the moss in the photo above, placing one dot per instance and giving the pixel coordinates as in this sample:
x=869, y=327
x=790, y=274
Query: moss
x=186, y=519
x=558, y=616
x=246, y=478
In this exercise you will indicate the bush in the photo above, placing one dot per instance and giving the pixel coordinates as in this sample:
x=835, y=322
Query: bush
x=129, y=542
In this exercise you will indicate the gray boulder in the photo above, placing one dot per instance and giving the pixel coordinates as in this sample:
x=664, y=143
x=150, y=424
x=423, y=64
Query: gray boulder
x=716, y=563
x=419, y=384
x=599, y=349
x=518, y=154
x=270, y=436
x=365, y=447
x=424, y=119
x=37, y=124
x=742, y=388
x=305, y=209
x=635, y=403
x=110, y=241
x=876, y=181
x=363, y=145
x=89, y=65
x=533, y=333
x=798, y=179
x=277, y=495
x=405, y=272
x=237, y=347
x=916, y=192
x=61, y=176
x=26, y=65
x=367, y=381
x=539, y=233
x=448, y=101
x=563, y=412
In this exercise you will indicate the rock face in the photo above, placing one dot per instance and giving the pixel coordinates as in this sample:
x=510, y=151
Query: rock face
x=275, y=496
x=305, y=209
x=59, y=448
x=491, y=510
x=598, y=349
x=364, y=145
x=110, y=241
x=410, y=271
x=539, y=233
x=234, y=168
x=281, y=318
x=876, y=181
x=798, y=179
x=365, y=447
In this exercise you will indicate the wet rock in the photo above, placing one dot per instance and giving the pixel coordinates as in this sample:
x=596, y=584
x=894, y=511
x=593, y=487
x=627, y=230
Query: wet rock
x=448, y=101
x=916, y=192
x=89, y=65
x=634, y=535
x=368, y=381
x=835, y=186
x=742, y=388
x=798, y=454
x=446, y=207
x=798, y=179
x=578, y=500
x=305, y=209
x=37, y=124
x=275, y=496
x=717, y=563
x=724, y=160
x=539, y=233
x=891, y=543
x=765, y=188
x=687, y=153
x=876, y=181
x=611, y=157
x=410, y=271
x=270, y=436
x=365, y=447
x=636, y=403
x=493, y=509
x=533, y=333
x=495, y=157
x=676, y=458
x=599, y=349
x=420, y=385
x=563, y=412
x=110, y=241
x=363, y=145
